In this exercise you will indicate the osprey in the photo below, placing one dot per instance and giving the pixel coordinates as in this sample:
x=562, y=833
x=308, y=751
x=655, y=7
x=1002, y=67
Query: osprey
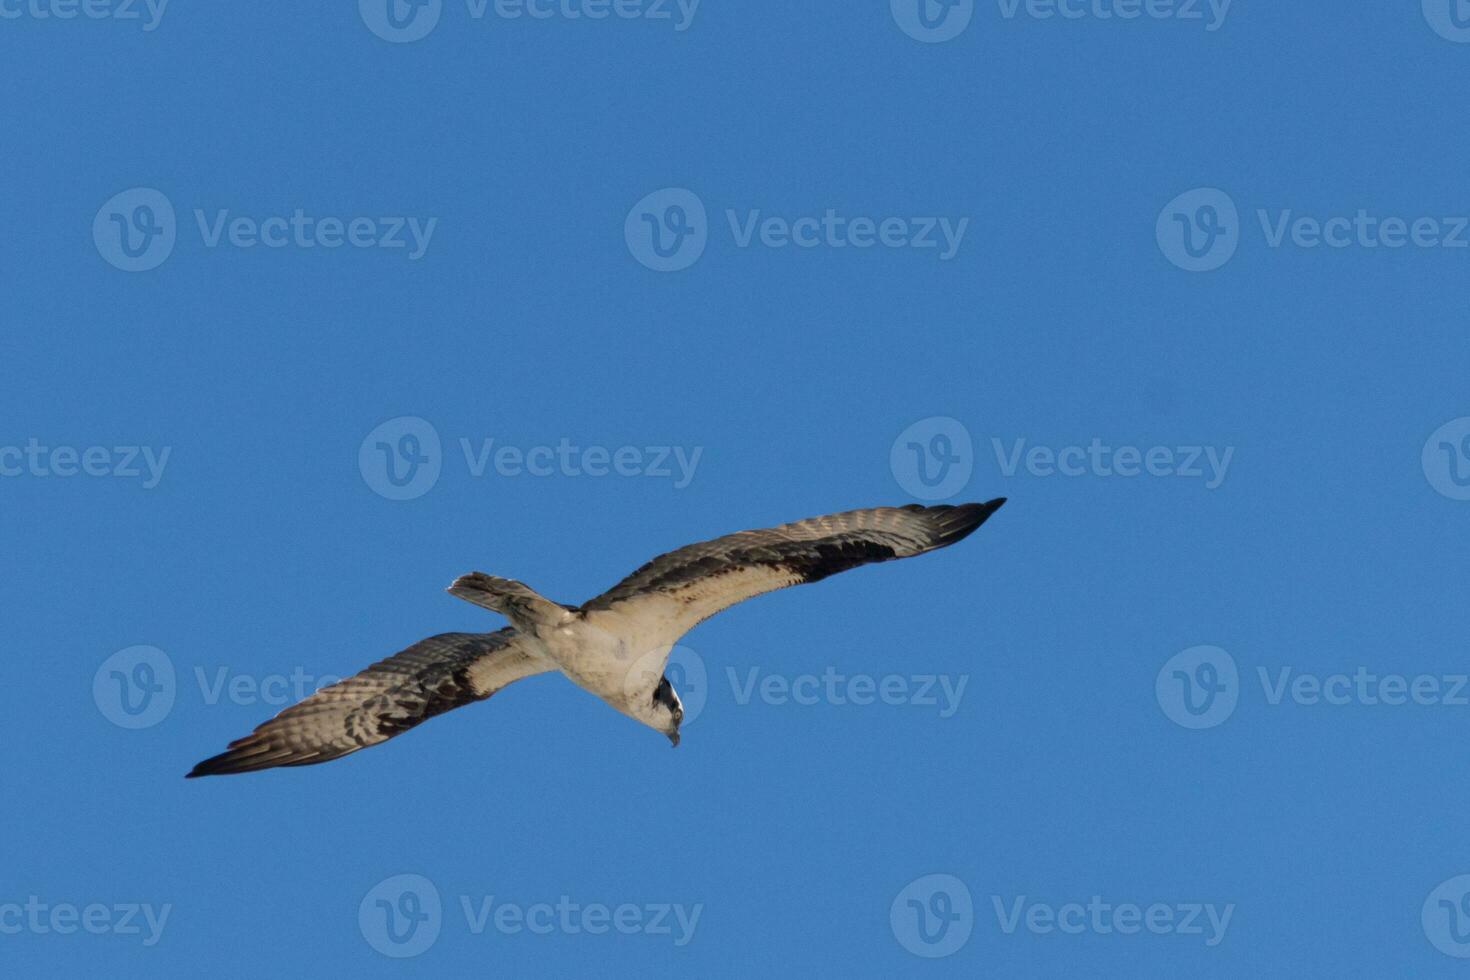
x=614, y=646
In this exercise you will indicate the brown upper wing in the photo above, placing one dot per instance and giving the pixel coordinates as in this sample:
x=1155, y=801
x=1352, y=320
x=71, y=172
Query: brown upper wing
x=669, y=595
x=390, y=697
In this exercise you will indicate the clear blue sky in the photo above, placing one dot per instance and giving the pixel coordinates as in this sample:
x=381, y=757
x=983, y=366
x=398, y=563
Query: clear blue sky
x=1059, y=250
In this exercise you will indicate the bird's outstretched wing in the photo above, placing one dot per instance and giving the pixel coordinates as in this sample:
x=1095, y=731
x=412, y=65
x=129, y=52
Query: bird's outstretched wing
x=390, y=697
x=665, y=598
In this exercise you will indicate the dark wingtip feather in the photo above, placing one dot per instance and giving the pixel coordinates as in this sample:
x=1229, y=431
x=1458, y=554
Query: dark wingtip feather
x=957, y=522
x=251, y=754
x=229, y=761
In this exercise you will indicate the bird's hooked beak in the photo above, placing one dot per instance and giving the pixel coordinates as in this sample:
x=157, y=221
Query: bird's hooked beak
x=674, y=737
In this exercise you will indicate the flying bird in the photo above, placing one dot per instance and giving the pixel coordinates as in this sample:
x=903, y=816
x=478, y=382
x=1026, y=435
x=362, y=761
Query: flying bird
x=614, y=646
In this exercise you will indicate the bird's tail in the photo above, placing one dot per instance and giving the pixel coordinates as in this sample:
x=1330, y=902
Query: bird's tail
x=523, y=606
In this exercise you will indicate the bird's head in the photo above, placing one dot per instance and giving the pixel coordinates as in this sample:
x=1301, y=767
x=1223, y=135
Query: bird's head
x=668, y=710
